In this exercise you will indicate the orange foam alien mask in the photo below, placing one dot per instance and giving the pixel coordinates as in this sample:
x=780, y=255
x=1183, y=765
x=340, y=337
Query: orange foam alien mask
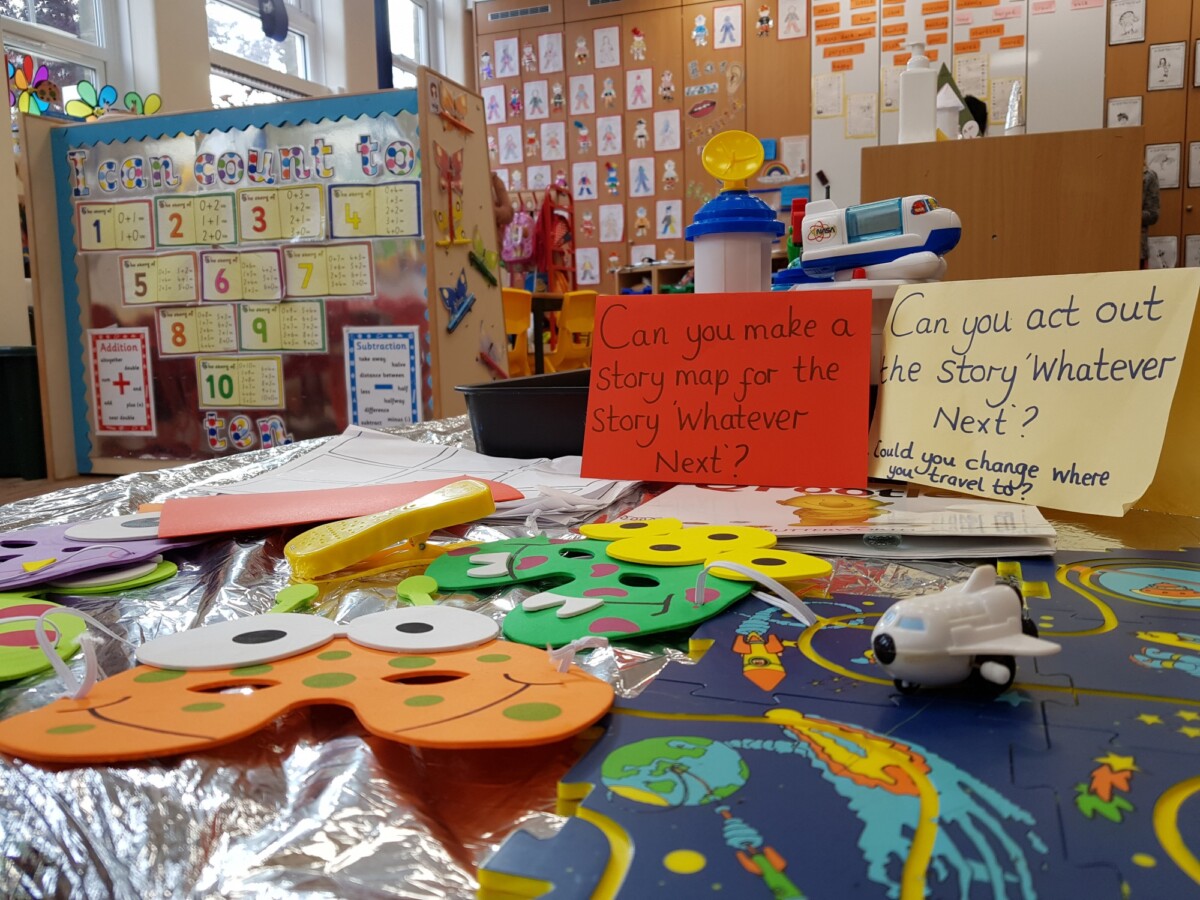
x=430, y=676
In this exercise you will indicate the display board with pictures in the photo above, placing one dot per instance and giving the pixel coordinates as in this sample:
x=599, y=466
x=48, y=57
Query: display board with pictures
x=245, y=278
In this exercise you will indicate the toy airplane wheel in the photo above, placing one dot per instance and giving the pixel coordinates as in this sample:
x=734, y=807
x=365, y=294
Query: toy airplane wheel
x=998, y=671
x=1028, y=626
x=906, y=687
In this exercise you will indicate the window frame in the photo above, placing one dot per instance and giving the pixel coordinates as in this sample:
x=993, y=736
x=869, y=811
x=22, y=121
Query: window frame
x=105, y=56
x=433, y=48
x=303, y=19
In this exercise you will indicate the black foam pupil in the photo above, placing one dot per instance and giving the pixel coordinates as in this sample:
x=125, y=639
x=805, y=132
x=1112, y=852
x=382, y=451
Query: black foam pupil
x=633, y=525
x=768, y=561
x=664, y=547
x=722, y=536
x=262, y=636
x=414, y=627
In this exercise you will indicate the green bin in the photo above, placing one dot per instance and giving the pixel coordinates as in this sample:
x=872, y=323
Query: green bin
x=22, y=452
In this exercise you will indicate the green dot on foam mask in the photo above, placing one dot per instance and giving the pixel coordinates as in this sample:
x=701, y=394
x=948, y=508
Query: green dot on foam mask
x=533, y=712
x=328, y=680
x=411, y=662
x=424, y=700
x=159, y=675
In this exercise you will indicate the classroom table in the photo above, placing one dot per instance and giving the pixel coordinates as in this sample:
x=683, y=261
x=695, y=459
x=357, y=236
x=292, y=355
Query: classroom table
x=312, y=804
x=543, y=302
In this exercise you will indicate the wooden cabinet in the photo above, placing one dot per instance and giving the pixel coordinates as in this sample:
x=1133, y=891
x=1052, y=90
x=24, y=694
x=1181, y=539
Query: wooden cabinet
x=1170, y=117
x=659, y=274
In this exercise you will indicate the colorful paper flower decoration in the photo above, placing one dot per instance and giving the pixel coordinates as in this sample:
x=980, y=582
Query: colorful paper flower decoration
x=139, y=106
x=91, y=105
x=29, y=88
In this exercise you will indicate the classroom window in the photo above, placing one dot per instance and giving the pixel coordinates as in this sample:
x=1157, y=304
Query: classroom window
x=410, y=26
x=247, y=67
x=75, y=39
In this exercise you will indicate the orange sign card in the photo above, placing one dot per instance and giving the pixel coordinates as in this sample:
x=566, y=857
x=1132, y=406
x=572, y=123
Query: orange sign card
x=754, y=388
x=844, y=50
x=842, y=65
x=1012, y=42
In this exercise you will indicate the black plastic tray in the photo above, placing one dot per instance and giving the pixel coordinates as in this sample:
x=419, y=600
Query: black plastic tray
x=540, y=415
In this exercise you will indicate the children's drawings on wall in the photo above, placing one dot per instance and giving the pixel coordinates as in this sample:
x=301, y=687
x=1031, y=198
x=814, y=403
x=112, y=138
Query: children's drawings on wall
x=608, y=135
x=510, y=145
x=1127, y=21
x=641, y=253
x=1191, y=251
x=638, y=89
x=667, y=215
x=537, y=104
x=583, y=95
x=1193, y=178
x=700, y=31
x=612, y=223
x=554, y=141
x=860, y=115
x=494, y=104
x=971, y=74
x=641, y=176
x=666, y=130
x=550, y=52
x=1163, y=161
x=827, y=95
x=792, y=21
x=608, y=93
x=608, y=47
x=1163, y=250
x=505, y=58
x=583, y=181
x=538, y=177
x=641, y=134
x=1167, y=66
x=1124, y=112
x=587, y=265
x=727, y=27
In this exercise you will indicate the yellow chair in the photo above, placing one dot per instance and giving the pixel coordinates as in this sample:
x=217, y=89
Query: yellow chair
x=518, y=307
x=576, y=323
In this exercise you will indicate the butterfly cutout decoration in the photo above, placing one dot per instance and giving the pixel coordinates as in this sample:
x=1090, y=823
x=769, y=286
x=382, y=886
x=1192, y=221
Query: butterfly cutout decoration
x=450, y=169
x=139, y=106
x=484, y=261
x=30, y=89
x=92, y=104
x=454, y=109
x=457, y=300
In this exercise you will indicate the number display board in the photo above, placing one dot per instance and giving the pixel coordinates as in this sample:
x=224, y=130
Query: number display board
x=214, y=262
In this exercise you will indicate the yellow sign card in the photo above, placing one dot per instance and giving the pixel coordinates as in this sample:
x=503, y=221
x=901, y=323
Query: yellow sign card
x=1054, y=390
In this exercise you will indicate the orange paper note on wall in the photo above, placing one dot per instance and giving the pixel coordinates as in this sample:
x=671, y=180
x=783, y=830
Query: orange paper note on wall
x=755, y=388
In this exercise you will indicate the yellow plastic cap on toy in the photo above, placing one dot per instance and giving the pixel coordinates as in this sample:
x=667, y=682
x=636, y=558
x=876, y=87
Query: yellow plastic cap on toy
x=733, y=156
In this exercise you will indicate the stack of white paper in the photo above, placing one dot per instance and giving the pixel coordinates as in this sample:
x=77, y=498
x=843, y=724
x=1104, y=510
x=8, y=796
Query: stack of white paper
x=553, y=489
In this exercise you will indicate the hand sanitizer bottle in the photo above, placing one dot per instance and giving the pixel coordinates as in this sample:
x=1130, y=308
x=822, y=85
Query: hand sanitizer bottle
x=918, y=99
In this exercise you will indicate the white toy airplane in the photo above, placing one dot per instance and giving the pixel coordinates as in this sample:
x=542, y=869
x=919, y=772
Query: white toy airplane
x=942, y=639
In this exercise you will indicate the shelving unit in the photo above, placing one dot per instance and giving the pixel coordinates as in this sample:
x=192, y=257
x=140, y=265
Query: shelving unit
x=660, y=274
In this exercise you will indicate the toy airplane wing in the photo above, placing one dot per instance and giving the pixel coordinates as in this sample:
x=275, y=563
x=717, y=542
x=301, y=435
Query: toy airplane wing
x=1013, y=645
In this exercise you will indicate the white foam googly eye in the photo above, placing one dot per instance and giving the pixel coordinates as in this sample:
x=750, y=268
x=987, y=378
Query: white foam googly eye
x=242, y=642
x=425, y=629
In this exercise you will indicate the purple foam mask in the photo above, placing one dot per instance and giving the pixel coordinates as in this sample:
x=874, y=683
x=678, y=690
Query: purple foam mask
x=38, y=555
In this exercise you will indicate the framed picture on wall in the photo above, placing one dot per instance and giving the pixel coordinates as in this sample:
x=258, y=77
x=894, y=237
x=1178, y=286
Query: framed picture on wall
x=1194, y=164
x=1191, y=250
x=1195, y=67
x=1166, y=66
x=1124, y=112
x=1163, y=161
x=1126, y=21
x=1164, y=252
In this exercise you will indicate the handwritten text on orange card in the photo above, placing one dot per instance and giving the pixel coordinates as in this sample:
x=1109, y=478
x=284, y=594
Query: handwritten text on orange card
x=756, y=388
